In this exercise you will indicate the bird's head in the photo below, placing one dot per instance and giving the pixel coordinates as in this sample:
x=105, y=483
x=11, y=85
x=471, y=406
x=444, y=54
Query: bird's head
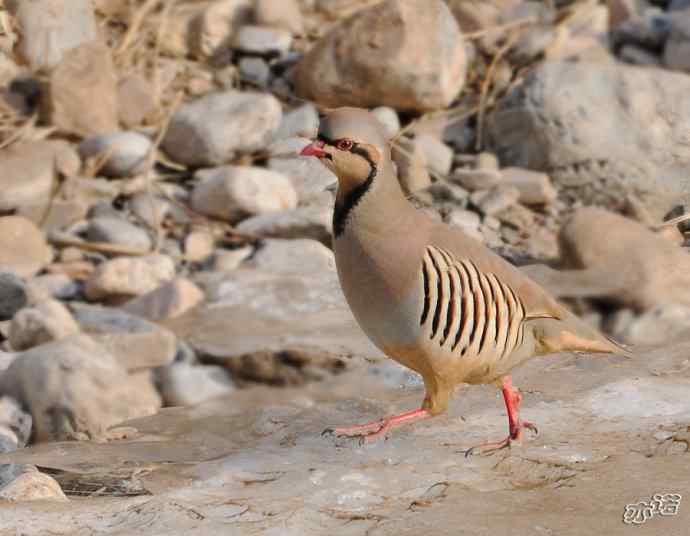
x=351, y=143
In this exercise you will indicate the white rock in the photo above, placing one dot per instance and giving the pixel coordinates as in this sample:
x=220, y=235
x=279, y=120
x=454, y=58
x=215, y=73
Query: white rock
x=465, y=219
x=300, y=122
x=118, y=231
x=44, y=322
x=170, y=300
x=211, y=130
x=284, y=14
x=183, y=384
x=126, y=152
x=235, y=192
x=213, y=29
x=476, y=179
x=439, y=157
x=198, y=246
x=388, y=117
x=293, y=256
x=313, y=222
x=125, y=276
x=32, y=486
x=262, y=40
x=309, y=177
x=535, y=188
x=227, y=260
x=255, y=70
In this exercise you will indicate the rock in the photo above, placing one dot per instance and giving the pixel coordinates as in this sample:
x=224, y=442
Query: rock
x=81, y=95
x=30, y=172
x=650, y=31
x=439, y=157
x=487, y=161
x=300, y=122
x=477, y=179
x=677, y=48
x=410, y=159
x=32, y=486
x=465, y=219
x=167, y=301
x=409, y=55
x=58, y=286
x=498, y=198
x=446, y=192
x=134, y=342
x=637, y=55
x=292, y=257
x=227, y=260
x=212, y=129
x=124, y=154
x=80, y=391
x=388, y=117
x=658, y=326
x=599, y=160
x=51, y=28
x=517, y=217
x=15, y=423
x=535, y=188
x=118, y=231
x=313, y=222
x=261, y=40
x=283, y=14
x=187, y=385
x=125, y=276
x=307, y=175
x=44, y=322
x=23, y=248
x=199, y=246
x=232, y=193
x=214, y=27
x=255, y=71
x=13, y=295
x=621, y=11
x=135, y=100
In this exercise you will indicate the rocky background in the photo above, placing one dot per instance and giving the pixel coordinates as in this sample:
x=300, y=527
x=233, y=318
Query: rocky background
x=163, y=244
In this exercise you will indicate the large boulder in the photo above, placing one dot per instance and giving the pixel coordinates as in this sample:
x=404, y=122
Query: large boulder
x=602, y=130
x=408, y=54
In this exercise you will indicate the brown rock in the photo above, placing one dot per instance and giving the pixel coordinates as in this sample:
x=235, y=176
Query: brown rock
x=81, y=95
x=535, y=188
x=23, y=248
x=125, y=276
x=32, y=486
x=198, y=246
x=44, y=322
x=134, y=100
x=167, y=301
x=405, y=54
x=213, y=29
x=284, y=14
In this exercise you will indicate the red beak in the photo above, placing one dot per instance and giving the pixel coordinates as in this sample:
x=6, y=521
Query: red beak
x=314, y=149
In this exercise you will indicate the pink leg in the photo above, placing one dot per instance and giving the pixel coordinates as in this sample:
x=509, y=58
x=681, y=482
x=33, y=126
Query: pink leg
x=373, y=431
x=512, y=398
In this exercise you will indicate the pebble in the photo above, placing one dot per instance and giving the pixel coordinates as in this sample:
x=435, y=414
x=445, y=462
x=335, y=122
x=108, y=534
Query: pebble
x=125, y=153
x=233, y=193
x=227, y=260
x=118, y=231
x=23, y=247
x=41, y=323
x=283, y=14
x=32, y=486
x=213, y=129
x=439, y=156
x=199, y=246
x=534, y=187
x=170, y=300
x=255, y=71
x=442, y=191
x=58, y=286
x=477, y=179
x=262, y=40
x=292, y=257
x=465, y=219
x=183, y=384
x=307, y=175
x=313, y=222
x=677, y=48
x=215, y=26
x=13, y=295
x=15, y=424
x=135, y=100
x=388, y=117
x=303, y=122
x=129, y=276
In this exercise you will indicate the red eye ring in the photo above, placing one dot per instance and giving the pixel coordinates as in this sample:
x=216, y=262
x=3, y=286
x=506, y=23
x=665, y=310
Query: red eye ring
x=344, y=144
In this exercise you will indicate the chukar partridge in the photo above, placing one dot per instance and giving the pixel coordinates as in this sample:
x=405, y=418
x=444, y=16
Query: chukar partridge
x=429, y=296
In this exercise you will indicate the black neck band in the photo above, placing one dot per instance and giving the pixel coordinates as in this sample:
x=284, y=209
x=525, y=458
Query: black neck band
x=343, y=210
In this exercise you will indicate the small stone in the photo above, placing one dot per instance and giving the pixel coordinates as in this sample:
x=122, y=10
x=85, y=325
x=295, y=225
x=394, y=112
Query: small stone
x=465, y=219
x=439, y=157
x=293, y=257
x=487, y=161
x=517, y=217
x=135, y=100
x=677, y=48
x=232, y=193
x=58, y=286
x=32, y=486
x=283, y=14
x=81, y=96
x=447, y=192
x=313, y=222
x=535, y=188
x=125, y=276
x=288, y=147
x=51, y=28
x=44, y=322
x=213, y=29
x=135, y=343
x=660, y=325
x=199, y=246
x=183, y=384
x=621, y=11
x=308, y=176
x=477, y=179
x=300, y=122
x=123, y=154
x=388, y=117
x=118, y=231
x=413, y=172
x=168, y=301
x=227, y=260
x=496, y=199
x=255, y=71
x=13, y=295
x=15, y=420
x=262, y=40
x=23, y=248
x=212, y=129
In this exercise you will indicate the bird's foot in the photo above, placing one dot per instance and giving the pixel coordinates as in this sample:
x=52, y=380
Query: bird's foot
x=514, y=436
x=376, y=430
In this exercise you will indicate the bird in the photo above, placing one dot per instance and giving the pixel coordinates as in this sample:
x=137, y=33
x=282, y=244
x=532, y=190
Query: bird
x=428, y=295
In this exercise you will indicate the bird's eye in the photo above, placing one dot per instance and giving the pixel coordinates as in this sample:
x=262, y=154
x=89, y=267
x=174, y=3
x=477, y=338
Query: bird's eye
x=344, y=144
